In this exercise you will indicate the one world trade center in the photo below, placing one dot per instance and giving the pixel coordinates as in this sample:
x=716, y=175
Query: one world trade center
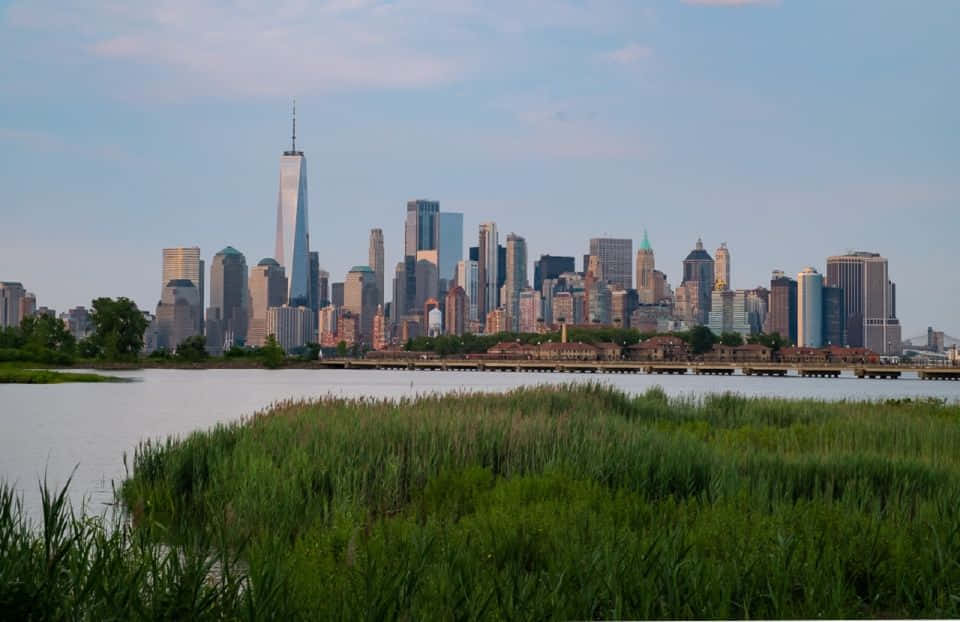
x=293, y=240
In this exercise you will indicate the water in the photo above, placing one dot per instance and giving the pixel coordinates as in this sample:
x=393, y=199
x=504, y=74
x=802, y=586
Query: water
x=54, y=428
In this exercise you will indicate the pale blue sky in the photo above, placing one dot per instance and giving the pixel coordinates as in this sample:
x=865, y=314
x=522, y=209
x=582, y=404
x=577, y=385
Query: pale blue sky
x=791, y=130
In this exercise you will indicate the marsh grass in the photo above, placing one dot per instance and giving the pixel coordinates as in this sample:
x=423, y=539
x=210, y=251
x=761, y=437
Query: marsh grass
x=542, y=503
x=15, y=375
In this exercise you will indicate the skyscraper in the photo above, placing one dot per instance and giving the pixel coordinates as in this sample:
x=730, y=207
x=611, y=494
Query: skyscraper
x=450, y=246
x=323, y=288
x=426, y=277
x=267, y=288
x=360, y=299
x=314, y=301
x=376, y=261
x=782, y=307
x=809, y=309
x=178, y=313
x=292, y=327
x=694, y=293
x=456, y=310
x=11, y=292
x=227, y=313
x=292, y=249
x=421, y=227
x=184, y=263
x=550, y=267
x=834, y=317
x=721, y=271
x=616, y=259
x=487, y=273
x=516, y=277
x=467, y=279
x=646, y=286
x=869, y=300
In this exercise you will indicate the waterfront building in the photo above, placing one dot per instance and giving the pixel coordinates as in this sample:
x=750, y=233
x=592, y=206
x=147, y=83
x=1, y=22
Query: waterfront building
x=292, y=247
x=528, y=310
x=721, y=268
x=11, y=292
x=694, y=294
x=456, y=310
x=467, y=278
x=487, y=269
x=78, y=323
x=183, y=262
x=497, y=322
x=267, y=287
x=782, y=307
x=834, y=317
x=376, y=262
x=809, y=309
x=360, y=299
x=178, y=313
x=380, y=340
x=550, y=267
x=646, y=278
x=869, y=301
x=516, y=277
x=327, y=325
x=449, y=247
x=292, y=327
x=227, y=313
x=336, y=294
x=615, y=258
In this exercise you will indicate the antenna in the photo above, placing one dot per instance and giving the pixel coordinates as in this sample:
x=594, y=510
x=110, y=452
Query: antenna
x=293, y=138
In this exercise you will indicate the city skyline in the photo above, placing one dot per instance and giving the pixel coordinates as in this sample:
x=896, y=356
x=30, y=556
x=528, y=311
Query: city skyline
x=867, y=168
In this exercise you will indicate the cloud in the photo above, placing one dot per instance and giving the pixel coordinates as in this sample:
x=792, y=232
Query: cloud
x=629, y=54
x=240, y=47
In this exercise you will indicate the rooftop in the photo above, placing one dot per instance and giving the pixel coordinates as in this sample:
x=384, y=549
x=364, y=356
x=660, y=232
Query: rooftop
x=268, y=261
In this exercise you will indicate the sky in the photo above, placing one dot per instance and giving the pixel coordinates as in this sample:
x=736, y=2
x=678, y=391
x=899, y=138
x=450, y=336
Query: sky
x=792, y=130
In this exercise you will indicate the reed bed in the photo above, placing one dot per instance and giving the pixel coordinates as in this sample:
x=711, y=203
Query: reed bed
x=543, y=503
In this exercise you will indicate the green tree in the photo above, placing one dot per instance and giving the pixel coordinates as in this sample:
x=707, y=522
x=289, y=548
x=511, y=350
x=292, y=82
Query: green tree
x=193, y=349
x=342, y=349
x=701, y=339
x=310, y=352
x=117, y=328
x=273, y=355
x=731, y=339
x=773, y=340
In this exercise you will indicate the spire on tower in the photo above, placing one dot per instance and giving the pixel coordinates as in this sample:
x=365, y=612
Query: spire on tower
x=293, y=138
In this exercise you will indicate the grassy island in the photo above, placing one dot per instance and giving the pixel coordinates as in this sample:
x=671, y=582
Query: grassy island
x=17, y=375
x=573, y=502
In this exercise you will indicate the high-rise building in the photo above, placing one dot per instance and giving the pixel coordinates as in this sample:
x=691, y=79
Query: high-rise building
x=292, y=249
x=809, y=309
x=184, y=263
x=327, y=322
x=721, y=269
x=487, y=272
x=616, y=259
x=292, y=327
x=28, y=305
x=77, y=321
x=227, y=313
x=11, y=292
x=516, y=276
x=360, y=299
x=547, y=290
x=646, y=279
x=380, y=340
x=869, y=301
x=563, y=311
x=336, y=294
x=782, y=307
x=323, y=288
x=178, y=313
x=550, y=267
x=694, y=293
x=529, y=310
x=428, y=282
x=267, y=287
x=435, y=322
x=421, y=227
x=467, y=279
x=375, y=256
x=834, y=317
x=756, y=306
x=456, y=310
x=449, y=246
x=497, y=322
x=729, y=311
x=400, y=295
x=622, y=304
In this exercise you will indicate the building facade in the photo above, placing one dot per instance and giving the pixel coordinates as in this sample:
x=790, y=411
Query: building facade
x=487, y=269
x=615, y=257
x=292, y=244
x=360, y=299
x=721, y=268
x=292, y=327
x=178, y=313
x=516, y=277
x=782, y=307
x=267, y=287
x=227, y=313
x=694, y=294
x=646, y=279
x=869, y=301
x=550, y=267
x=376, y=262
x=181, y=263
x=456, y=310
x=809, y=309
x=449, y=247
x=11, y=293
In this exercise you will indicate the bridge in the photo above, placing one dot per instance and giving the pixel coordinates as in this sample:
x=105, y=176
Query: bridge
x=806, y=370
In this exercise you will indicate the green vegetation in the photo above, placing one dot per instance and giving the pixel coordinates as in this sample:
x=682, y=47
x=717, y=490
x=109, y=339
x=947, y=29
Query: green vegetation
x=39, y=339
x=14, y=375
x=543, y=503
x=118, y=327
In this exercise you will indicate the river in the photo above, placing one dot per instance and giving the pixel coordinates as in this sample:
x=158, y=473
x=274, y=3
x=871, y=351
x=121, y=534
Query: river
x=54, y=428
